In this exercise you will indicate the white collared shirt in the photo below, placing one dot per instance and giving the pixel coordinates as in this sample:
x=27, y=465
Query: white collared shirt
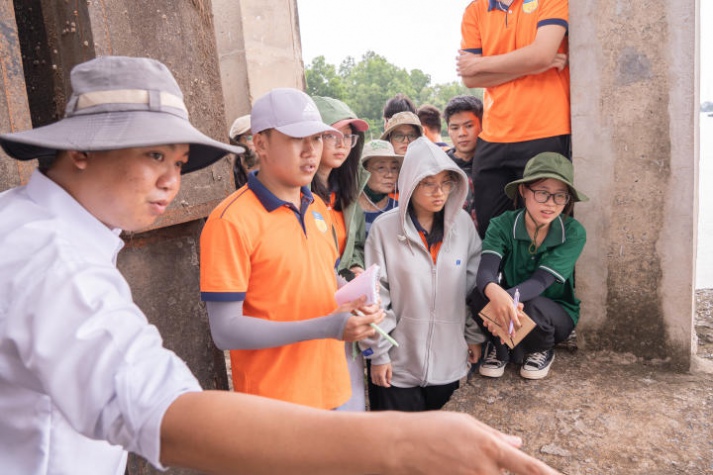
x=83, y=375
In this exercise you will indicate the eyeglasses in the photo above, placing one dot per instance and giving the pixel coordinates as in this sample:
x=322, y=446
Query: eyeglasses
x=348, y=140
x=385, y=170
x=429, y=188
x=399, y=137
x=542, y=196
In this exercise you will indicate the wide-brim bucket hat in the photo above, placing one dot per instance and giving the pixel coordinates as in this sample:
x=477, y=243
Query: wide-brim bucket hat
x=547, y=165
x=402, y=118
x=120, y=102
x=379, y=149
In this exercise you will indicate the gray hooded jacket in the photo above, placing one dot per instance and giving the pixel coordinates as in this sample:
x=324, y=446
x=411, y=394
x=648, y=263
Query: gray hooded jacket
x=425, y=302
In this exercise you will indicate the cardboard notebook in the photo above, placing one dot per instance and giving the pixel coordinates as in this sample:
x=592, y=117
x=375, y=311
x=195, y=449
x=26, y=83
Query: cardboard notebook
x=502, y=332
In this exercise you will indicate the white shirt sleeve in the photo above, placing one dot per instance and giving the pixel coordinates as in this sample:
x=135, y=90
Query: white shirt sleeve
x=92, y=351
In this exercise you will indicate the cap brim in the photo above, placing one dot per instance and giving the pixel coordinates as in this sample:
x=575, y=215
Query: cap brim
x=305, y=129
x=117, y=130
x=359, y=125
x=364, y=160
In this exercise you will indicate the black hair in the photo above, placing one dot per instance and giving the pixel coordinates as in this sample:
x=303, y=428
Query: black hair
x=343, y=181
x=398, y=103
x=429, y=116
x=464, y=103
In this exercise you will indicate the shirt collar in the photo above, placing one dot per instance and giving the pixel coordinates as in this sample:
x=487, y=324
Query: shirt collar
x=269, y=200
x=85, y=230
x=496, y=5
x=555, y=235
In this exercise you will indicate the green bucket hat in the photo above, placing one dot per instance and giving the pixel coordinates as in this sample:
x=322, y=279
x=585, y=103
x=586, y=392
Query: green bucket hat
x=336, y=113
x=547, y=165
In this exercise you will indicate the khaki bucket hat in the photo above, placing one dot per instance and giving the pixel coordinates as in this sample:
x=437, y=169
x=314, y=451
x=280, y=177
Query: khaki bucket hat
x=402, y=118
x=379, y=149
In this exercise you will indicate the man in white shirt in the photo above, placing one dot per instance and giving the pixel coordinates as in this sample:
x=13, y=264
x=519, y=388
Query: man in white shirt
x=84, y=377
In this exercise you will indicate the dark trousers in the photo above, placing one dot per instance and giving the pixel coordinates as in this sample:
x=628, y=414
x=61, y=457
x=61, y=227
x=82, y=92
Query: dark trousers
x=554, y=325
x=497, y=164
x=429, y=398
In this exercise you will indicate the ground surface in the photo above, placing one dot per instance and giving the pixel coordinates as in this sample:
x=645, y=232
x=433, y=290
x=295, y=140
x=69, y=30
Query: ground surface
x=606, y=413
x=603, y=413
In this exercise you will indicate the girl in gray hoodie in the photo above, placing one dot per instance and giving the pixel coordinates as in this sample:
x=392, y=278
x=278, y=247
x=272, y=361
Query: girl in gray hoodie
x=428, y=251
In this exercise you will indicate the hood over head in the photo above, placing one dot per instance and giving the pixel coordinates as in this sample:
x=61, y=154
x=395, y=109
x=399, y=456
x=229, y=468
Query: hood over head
x=423, y=159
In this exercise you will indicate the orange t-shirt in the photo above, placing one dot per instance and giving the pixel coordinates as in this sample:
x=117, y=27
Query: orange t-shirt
x=530, y=107
x=433, y=249
x=280, y=262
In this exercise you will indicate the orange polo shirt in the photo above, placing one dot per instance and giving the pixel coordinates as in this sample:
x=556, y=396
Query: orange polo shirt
x=531, y=107
x=280, y=261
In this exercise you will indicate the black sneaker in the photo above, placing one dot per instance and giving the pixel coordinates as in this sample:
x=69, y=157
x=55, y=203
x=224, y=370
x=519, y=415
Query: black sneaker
x=491, y=366
x=537, y=365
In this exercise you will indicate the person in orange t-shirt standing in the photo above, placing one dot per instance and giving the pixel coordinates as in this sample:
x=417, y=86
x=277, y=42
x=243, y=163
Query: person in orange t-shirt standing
x=268, y=278
x=517, y=50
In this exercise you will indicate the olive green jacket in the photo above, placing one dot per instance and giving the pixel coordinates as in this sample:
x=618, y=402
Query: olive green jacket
x=353, y=254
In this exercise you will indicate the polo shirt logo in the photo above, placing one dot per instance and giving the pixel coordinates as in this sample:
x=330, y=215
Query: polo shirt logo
x=319, y=222
x=529, y=6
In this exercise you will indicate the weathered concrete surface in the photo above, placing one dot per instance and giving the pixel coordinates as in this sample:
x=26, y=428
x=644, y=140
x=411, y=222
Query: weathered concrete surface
x=633, y=90
x=14, y=109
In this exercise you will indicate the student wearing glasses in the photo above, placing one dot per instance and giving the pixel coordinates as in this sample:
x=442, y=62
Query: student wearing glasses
x=428, y=252
x=339, y=181
x=535, y=248
x=402, y=129
x=382, y=166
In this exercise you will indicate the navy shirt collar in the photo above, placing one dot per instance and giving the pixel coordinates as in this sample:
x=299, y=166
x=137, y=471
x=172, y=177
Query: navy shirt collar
x=497, y=5
x=272, y=202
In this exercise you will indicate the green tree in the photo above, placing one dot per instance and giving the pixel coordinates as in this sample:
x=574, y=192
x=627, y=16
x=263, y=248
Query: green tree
x=366, y=85
x=322, y=79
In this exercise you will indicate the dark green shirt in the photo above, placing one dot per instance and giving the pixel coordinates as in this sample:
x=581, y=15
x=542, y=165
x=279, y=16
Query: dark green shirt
x=507, y=238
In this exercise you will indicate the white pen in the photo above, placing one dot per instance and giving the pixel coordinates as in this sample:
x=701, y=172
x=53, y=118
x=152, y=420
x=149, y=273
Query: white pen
x=379, y=330
x=516, y=302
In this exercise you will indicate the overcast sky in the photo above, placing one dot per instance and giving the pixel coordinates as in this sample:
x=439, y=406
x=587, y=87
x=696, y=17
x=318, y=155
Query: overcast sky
x=417, y=34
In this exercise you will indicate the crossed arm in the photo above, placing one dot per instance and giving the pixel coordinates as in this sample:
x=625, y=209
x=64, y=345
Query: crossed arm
x=539, y=56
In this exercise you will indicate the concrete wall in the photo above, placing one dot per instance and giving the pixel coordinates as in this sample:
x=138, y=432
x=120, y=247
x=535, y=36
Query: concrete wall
x=634, y=112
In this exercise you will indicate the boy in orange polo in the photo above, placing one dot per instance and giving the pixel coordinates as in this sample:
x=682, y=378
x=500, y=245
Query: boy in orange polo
x=268, y=255
x=517, y=50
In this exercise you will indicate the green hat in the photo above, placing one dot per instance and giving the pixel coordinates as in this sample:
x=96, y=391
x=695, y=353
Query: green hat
x=336, y=113
x=547, y=165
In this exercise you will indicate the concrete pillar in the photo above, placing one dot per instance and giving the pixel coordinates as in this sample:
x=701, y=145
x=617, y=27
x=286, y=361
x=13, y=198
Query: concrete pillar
x=258, y=48
x=634, y=103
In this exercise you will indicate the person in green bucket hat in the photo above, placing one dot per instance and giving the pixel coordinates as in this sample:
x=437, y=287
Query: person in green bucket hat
x=527, y=265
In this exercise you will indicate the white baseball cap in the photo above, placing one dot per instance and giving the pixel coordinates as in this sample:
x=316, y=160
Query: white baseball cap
x=289, y=111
